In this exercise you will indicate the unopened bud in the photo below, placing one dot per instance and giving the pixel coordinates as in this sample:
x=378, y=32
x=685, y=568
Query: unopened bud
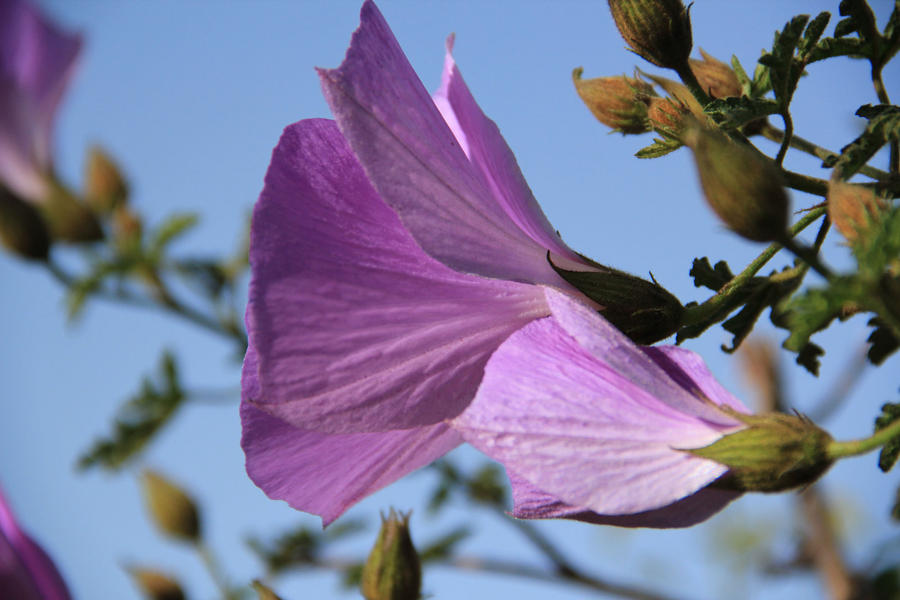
x=742, y=187
x=22, y=230
x=104, y=187
x=643, y=310
x=127, y=228
x=263, y=592
x=171, y=508
x=155, y=585
x=678, y=93
x=656, y=30
x=67, y=218
x=392, y=571
x=667, y=116
x=715, y=77
x=773, y=453
x=855, y=211
x=618, y=102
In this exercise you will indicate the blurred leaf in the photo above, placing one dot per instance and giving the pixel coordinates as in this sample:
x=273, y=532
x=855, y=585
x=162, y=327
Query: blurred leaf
x=890, y=412
x=170, y=229
x=352, y=576
x=443, y=547
x=882, y=128
x=488, y=486
x=885, y=584
x=882, y=342
x=301, y=546
x=139, y=419
x=713, y=278
x=659, y=147
x=895, y=509
x=208, y=275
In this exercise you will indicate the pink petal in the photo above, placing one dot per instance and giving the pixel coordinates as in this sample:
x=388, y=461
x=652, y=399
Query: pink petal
x=486, y=149
x=356, y=328
x=326, y=474
x=36, y=62
x=571, y=405
x=531, y=503
x=26, y=572
x=417, y=165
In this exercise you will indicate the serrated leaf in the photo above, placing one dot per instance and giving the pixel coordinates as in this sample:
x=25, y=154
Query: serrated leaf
x=139, y=419
x=890, y=412
x=882, y=128
x=713, y=278
x=882, y=342
x=736, y=111
x=742, y=77
x=863, y=19
x=831, y=47
x=815, y=309
x=812, y=34
x=808, y=358
x=659, y=147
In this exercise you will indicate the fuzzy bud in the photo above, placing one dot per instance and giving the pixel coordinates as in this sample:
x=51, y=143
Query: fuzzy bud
x=67, y=218
x=656, y=30
x=643, y=310
x=667, y=116
x=618, y=102
x=155, y=585
x=855, y=211
x=743, y=188
x=392, y=571
x=22, y=230
x=171, y=508
x=773, y=453
x=104, y=187
x=715, y=77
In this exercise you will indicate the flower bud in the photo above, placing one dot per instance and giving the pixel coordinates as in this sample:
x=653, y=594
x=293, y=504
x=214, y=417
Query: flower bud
x=774, y=453
x=104, y=187
x=667, y=116
x=855, y=211
x=263, y=592
x=67, y=218
x=392, y=571
x=127, y=228
x=618, y=102
x=155, y=585
x=715, y=77
x=742, y=187
x=643, y=310
x=656, y=30
x=678, y=93
x=22, y=230
x=171, y=508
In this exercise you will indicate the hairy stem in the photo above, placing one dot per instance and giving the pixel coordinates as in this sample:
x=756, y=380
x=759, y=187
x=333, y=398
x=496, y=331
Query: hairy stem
x=878, y=439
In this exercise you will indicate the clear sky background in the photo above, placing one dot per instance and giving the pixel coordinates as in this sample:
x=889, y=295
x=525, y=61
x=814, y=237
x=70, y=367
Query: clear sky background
x=191, y=97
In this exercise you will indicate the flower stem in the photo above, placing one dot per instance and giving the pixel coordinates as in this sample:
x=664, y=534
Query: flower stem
x=837, y=450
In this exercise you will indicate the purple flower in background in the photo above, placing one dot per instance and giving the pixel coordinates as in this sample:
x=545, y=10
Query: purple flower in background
x=36, y=62
x=392, y=251
x=26, y=572
x=592, y=427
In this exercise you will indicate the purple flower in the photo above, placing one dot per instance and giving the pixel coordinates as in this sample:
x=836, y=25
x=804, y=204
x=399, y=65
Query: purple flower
x=393, y=251
x=36, y=62
x=591, y=426
x=26, y=572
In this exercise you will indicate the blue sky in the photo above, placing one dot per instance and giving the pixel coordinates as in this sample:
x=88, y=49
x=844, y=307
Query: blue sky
x=191, y=98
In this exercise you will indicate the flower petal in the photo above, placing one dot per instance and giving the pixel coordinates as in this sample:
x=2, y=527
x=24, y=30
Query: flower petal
x=486, y=149
x=356, y=328
x=326, y=474
x=418, y=167
x=531, y=503
x=36, y=62
x=574, y=416
x=26, y=571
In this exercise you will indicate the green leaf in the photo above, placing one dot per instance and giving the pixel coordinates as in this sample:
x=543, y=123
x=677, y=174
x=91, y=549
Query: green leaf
x=882, y=128
x=808, y=357
x=812, y=34
x=170, y=229
x=890, y=412
x=732, y=112
x=443, y=547
x=713, y=278
x=207, y=275
x=659, y=147
x=784, y=69
x=814, y=309
x=831, y=47
x=742, y=77
x=139, y=419
x=845, y=27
